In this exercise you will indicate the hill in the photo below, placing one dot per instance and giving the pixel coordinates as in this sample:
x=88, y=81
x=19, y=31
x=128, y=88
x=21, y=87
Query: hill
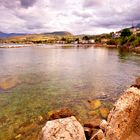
x=5, y=35
x=59, y=33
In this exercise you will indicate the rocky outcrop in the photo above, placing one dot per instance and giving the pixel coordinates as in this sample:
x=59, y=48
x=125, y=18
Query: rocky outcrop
x=123, y=122
x=63, y=129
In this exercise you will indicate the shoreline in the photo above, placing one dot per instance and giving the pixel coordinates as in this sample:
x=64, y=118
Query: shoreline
x=96, y=45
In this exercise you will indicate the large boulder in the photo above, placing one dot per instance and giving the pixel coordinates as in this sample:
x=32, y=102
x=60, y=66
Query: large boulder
x=124, y=119
x=63, y=129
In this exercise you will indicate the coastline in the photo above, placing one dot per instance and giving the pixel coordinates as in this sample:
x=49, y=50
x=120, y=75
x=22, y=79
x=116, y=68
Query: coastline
x=96, y=45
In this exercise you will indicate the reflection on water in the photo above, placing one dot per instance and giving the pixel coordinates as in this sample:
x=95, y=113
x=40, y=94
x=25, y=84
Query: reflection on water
x=38, y=79
x=123, y=54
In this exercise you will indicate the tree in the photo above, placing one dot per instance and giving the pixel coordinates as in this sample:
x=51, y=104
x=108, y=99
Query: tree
x=112, y=42
x=126, y=32
x=85, y=38
x=63, y=39
x=98, y=40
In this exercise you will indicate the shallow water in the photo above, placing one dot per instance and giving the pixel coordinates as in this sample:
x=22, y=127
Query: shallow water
x=51, y=77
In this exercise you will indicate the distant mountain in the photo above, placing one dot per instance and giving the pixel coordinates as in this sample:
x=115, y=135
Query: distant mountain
x=4, y=35
x=138, y=25
x=59, y=33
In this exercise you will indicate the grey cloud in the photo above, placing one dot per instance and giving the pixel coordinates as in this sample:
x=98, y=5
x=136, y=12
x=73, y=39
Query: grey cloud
x=91, y=3
x=35, y=25
x=77, y=15
x=82, y=14
x=9, y=4
x=27, y=3
x=17, y=3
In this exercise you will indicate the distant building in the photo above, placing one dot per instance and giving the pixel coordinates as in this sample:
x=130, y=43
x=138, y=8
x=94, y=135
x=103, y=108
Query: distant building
x=104, y=40
x=116, y=34
x=60, y=42
x=135, y=30
x=91, y=41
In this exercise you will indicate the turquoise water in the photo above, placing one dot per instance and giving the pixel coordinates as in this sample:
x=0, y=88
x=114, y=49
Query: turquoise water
x=35, y=80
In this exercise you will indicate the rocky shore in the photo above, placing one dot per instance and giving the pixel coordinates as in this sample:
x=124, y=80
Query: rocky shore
x=122, y=123
x=136, y=50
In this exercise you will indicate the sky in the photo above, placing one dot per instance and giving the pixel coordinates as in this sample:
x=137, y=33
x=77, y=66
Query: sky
x=75, y=16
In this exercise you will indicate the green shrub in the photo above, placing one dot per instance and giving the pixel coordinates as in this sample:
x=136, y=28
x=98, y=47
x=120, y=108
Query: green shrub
x=112, y=42
x=136, y=42
x=126, y=32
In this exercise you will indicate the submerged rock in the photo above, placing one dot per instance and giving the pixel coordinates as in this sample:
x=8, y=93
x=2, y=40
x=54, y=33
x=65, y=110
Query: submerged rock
x=104, y=112
x=18, y=136
x=26, y=129
x=137, y=83
x=92, y=123
x=63, y=129
x=93, y=113
x=95, y=104
x=60, y=113
x=3, y=120
x=9, y=82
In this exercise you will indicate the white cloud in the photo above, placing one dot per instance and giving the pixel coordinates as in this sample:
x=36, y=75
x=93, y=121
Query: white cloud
x=76, y=16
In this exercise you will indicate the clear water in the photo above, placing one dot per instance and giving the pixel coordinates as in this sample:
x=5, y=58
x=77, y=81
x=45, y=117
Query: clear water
x=51, y=77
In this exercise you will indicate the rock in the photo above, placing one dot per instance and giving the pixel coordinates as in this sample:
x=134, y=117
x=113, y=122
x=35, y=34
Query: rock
x=3, y=120
x=18, y=136
x=66, y=129
x=103, y=125
x=98, y=136
x=95, y=104
x=137, y=83
x=8, y=83
x=61, y=113
x=40, y=118
x=124, y=118
x=94, y=113
x=104, y=112
x=26, y=129
x=88, y=132
x=92, y=123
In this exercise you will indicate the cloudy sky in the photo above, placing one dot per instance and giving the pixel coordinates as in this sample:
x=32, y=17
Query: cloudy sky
x=76, y=16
